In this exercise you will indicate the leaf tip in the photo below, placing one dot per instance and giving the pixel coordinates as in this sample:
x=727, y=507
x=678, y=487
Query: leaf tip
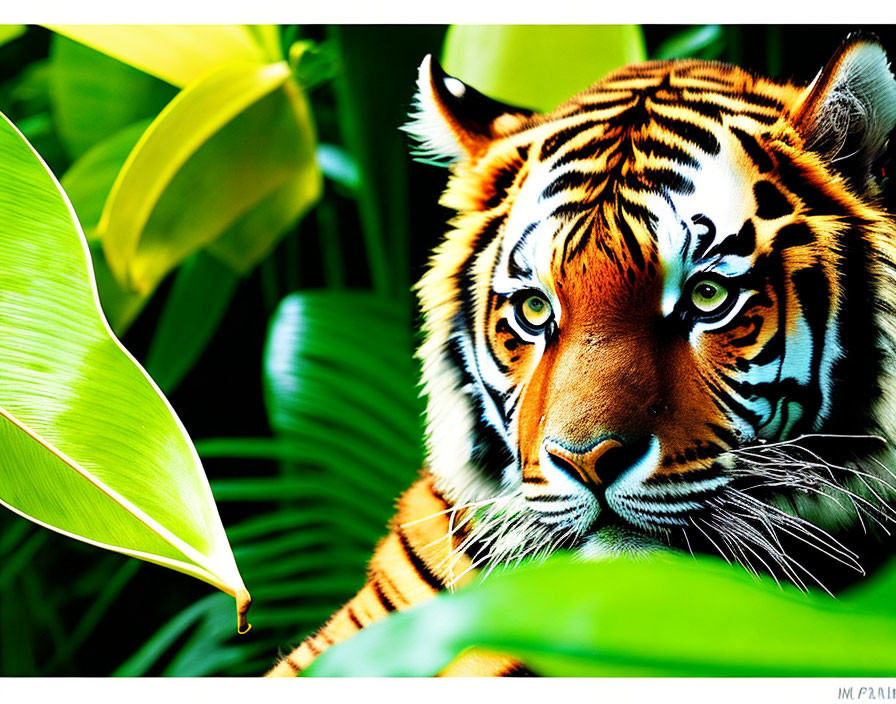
x=243, y=602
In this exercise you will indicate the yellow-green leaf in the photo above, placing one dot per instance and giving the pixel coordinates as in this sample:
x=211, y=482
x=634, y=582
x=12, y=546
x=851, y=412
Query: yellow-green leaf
x=267, y=37
x=178, y=54
x=89, y=180
x=538, y=66
x=220, y=147
x=8, y=32
x=89, y=446
x=249, y=239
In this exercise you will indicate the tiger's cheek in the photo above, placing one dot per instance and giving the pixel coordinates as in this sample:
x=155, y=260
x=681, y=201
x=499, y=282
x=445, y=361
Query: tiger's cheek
x=738, y=348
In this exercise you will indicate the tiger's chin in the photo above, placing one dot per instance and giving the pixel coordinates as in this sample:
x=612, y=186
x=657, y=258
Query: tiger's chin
x=611, y=542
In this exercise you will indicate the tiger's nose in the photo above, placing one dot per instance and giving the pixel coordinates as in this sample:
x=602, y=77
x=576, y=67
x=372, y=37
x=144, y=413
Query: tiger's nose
x=597, y=465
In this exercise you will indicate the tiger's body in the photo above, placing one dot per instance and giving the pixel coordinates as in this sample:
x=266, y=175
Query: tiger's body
x=664, y=319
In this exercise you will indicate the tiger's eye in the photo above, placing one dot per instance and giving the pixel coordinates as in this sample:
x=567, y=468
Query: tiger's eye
x=708, y=295
x=534, y=311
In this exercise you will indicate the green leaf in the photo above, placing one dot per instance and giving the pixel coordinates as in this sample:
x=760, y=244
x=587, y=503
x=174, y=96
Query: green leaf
x=337, y=365
x=232, y=142
x=94, y=96
x=91, y=449
x=313, y=63
x=8, y=32
x=538, y=66
x=198, y=300
x=704, y=42
x=177, y=54
x=253, y=235
x=668, y=616
x=89, y=180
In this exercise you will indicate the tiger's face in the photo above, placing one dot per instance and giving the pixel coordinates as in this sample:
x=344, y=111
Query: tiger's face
x=654, y=302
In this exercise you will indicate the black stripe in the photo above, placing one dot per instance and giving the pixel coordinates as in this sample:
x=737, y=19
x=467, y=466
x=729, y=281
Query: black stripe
x=558, y=139
x=502, y=182
x=423, y=571
x=631, y=242
x=751, y=146
x=723, y=434
x=770, y=202
x=704, y=108
x=589, y=150
x=806, y=188
x=700, y=137
x=384, y=600
x=733, y=404
x=593, y=103
x=797, y=234
x=705, y=239
x=742, y=244
x=576, y=242
x=353, y=617
x=656, y=148
x=574, y=179
x=658, y=179
x=518, y=670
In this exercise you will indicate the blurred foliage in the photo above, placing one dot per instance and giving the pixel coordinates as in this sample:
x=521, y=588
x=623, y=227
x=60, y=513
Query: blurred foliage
x=255, y=224
x=538, y=67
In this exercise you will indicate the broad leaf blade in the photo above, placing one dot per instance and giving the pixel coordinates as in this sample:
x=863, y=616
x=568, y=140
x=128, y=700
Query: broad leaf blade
x=624, y=618
x=251, y=236
x=538, y=66
x=220, y=149
x=90, y=447
x=178, y=54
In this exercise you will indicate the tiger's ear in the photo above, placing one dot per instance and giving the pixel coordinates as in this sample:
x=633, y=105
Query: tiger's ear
x=452, y=121
x=849, y=110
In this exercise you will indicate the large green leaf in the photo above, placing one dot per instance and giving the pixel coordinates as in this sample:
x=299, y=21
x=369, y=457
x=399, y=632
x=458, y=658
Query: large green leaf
x=90, y=447
x=669, y=616
x=94, y=96
x=178, y=54
x=229, y=144
x=538, y=66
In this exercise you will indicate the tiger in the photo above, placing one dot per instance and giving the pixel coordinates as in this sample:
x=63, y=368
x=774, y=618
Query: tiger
x=664, y=318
